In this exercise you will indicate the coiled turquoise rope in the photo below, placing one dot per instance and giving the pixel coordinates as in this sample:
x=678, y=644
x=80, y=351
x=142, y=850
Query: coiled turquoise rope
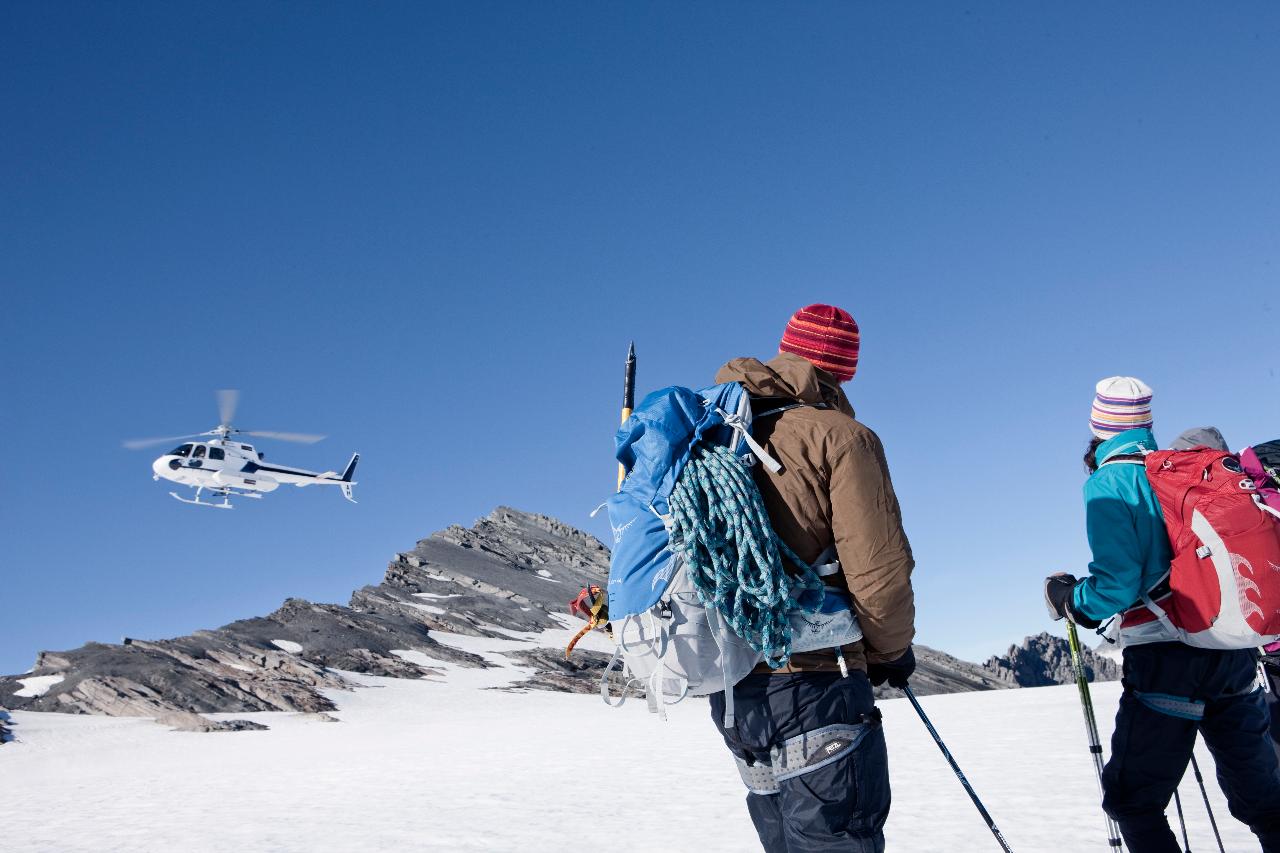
x=733, y=557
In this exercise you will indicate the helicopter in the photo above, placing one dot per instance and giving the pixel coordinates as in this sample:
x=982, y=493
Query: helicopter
x=225, y=467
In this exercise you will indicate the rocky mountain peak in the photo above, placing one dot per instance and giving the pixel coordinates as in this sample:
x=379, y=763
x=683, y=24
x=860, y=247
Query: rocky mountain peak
x=526, y=540
x=1045, y=659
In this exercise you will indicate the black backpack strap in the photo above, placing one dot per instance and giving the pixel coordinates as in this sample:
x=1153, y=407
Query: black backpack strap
x=1125, y=459
x=780, y=409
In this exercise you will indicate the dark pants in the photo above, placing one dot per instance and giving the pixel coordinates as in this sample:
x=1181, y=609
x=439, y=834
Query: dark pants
x=1156, y=731
x=1271, y=667
x=839, y=807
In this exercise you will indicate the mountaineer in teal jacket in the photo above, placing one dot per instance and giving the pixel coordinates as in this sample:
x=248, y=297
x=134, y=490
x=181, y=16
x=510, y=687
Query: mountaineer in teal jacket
x=1171, y=690
x=1126, y=531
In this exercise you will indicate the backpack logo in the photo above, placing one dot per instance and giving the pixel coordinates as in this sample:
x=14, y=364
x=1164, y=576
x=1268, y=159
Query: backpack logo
x=619, y=532
x=1244, y=586
x=664, y=575
x=815, y=626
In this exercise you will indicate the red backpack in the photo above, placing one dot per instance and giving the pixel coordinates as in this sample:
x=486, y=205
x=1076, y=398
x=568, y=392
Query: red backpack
x=1223, y=588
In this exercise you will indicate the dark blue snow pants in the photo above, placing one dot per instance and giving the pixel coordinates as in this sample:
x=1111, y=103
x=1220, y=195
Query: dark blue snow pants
x=1171, y=691
x=1271, y=666
x=841, y=806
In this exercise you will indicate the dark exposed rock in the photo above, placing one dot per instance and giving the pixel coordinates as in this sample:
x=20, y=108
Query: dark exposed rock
x=1045, y=659
x=938, y=672
x=581, y=674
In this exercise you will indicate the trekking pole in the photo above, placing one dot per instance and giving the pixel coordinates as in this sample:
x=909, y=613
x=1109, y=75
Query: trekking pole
x=1182, y=821
x=946, y=753
x=1195, y=768
x=628, y=398
x=1090, y=726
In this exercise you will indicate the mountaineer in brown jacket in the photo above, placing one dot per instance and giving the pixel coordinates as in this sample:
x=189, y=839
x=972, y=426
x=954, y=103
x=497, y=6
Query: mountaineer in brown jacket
x=833, y=491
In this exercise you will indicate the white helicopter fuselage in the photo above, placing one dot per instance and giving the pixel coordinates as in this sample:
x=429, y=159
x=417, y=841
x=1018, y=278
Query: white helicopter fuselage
x=223, y=464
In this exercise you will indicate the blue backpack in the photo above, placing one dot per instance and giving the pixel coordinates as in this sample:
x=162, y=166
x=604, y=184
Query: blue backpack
x=697, y=593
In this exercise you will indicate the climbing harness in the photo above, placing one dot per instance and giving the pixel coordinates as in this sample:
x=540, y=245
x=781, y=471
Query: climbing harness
x=804, y=753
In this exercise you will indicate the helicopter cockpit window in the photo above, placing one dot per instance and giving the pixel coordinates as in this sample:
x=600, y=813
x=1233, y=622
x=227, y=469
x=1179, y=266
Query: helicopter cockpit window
x=217, y=453
x=199, y=452
x=180, y=451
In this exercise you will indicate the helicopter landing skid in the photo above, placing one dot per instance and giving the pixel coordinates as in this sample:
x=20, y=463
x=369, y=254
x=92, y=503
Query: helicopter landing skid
x=225, y=494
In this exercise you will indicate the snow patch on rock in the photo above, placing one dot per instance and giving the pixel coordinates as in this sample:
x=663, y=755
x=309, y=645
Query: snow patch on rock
x=429, y=608
x=37, y=685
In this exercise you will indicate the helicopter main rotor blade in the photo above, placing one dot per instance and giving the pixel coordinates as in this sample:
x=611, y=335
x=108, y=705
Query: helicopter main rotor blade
x=140, y=443
x=227, y=402
x=302, y=437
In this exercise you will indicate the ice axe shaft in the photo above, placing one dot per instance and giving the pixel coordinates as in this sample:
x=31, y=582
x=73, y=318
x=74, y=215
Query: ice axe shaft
x=628, y=398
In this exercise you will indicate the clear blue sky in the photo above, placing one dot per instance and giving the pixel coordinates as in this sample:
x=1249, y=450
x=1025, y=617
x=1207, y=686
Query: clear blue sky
x=429, y=230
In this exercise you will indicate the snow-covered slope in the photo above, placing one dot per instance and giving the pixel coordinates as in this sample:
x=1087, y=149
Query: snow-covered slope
x=442, y=764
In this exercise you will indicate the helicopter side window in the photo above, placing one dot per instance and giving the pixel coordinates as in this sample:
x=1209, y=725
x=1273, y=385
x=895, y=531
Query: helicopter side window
x=217, y=453
x=199, y=452
x=184, y=450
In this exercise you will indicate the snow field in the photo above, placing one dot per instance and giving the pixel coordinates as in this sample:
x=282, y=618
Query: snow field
x=442, y=764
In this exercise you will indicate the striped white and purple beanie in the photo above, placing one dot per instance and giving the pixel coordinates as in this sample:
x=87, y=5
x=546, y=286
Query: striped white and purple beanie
x=1122, y=403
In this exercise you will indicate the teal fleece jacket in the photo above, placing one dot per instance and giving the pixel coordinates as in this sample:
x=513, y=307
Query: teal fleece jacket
x=1126, y=530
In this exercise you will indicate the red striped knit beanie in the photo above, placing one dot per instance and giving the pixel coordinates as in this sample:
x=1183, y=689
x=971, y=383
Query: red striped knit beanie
x=826, y=336
x=1121, y=403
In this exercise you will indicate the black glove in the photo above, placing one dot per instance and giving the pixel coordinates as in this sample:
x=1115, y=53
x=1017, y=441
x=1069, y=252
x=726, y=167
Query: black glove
x=896, y=672
x=1059, y=597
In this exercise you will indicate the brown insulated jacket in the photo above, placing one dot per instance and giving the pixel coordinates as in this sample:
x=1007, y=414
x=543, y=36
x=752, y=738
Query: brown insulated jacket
x=833, y=488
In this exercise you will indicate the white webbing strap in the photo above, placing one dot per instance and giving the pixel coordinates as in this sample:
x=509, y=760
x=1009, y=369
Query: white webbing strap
x=657, y=702
x=654, y=696
x=715, y=621
x=604, y=682
x=739, y=426
x=1162, y=616
x=1262, y=505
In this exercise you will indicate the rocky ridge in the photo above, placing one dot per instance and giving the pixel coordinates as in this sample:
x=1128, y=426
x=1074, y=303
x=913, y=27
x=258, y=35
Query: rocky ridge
x=1045, y=659
x=512, y=572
